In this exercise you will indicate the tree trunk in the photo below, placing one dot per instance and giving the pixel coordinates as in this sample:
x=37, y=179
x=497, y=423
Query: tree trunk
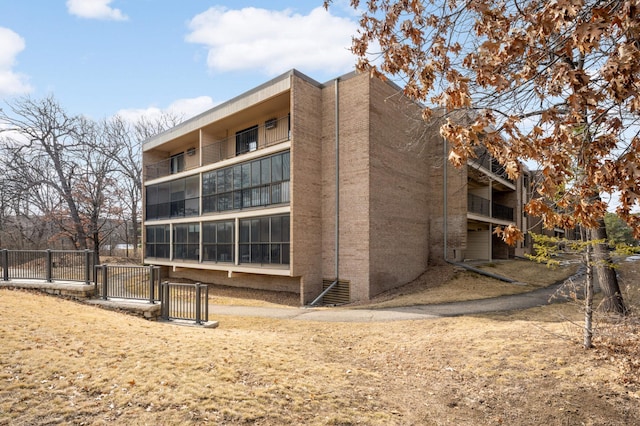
x=606, y=274
x=588, y=301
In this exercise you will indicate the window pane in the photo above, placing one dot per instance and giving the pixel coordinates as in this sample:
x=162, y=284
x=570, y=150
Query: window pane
x=245, y=256
x=192, y=183
x=276, y=229
x=225, y=232
x=164, y=192
x=180, y=234
x=228, y=179
x=245, y=227
x=177, y=190
x=224, y=202
x=275, y=254
x=209, y=183
x=276, y=193
x=208, y=233
x=285, y=192
x=285, y=166
x=237, y=199
x=164, y=210
x=276, y=168
x=225, y=253
x=255, y=197
x=255, y=173
x=209, y=204
x=265, y=165
x=209, y=252
x=220, y=181
x=255, y=230
x=246, y=198
x=256, y=256
x=264, y=230
x=237, y=176
x=152, y=194
x=285, y=229
x=191, y=207
x=177, y=208
x=194, y=234
x=152, y=212
x=162, y=251
x=246, y=175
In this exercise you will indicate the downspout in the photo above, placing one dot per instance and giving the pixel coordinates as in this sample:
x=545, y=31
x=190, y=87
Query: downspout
x=337, y=189
x=444, y=203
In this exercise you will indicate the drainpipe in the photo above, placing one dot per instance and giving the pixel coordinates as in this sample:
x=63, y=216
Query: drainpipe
x=444, y=203
x=337, y=189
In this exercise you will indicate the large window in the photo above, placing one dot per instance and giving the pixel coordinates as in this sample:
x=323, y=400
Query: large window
x=255, y=183
x=265, y=240
x=178, y=198
x=218, y=241
x=247, y=140
x=157, y=241
x=186, y=241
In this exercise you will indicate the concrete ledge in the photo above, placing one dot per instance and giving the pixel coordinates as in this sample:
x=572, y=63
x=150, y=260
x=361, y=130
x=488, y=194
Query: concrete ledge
x=142, y=309
x=185, y=323
x=73, y=290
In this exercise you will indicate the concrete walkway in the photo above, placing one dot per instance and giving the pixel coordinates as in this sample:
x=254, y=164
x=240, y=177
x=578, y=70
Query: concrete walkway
x=540, y=297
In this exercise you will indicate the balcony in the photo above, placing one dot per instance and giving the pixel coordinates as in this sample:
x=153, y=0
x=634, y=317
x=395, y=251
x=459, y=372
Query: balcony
x=259, y=137
x=487, y=162
x=484, y=207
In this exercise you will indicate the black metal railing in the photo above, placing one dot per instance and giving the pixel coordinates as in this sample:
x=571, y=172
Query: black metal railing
x=499, y=211
x=484, y=207
x=47, y=265
x=128, y=282
x=271, y=133
x=185, y=302
x=487, y=162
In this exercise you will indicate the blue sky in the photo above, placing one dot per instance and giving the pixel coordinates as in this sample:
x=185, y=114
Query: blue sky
x=132, y=57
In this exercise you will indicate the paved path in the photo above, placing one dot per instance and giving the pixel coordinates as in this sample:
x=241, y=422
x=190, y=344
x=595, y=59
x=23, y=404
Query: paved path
x=531, y=299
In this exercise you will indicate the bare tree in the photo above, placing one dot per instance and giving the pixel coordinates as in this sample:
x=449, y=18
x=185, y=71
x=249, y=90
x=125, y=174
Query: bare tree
x=41, y=139
x=122, y=142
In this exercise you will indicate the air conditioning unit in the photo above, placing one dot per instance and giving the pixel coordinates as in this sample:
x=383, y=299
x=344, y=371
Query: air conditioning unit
x=272, y=123
x=191, y=152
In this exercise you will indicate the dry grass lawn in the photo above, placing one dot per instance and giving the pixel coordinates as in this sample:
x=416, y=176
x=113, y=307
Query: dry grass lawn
x=62, y=362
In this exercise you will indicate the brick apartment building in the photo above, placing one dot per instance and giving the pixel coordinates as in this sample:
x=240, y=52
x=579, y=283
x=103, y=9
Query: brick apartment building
x=246, y=194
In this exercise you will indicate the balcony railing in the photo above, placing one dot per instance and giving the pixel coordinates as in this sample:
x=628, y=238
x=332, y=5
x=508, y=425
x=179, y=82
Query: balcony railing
x=486, y=161
x=484, y=207
x=272, y=132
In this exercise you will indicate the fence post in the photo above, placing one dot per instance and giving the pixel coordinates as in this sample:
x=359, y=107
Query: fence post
x=105, y=285
x=5, y=264
x=164, y=309
x=49, y=266
x=198, y=306
x=151, y=285
x=87, y=267
x=206, y=303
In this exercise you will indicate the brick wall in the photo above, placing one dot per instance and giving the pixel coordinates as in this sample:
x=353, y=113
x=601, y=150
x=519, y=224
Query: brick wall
x=400, y=190
x=306, y=189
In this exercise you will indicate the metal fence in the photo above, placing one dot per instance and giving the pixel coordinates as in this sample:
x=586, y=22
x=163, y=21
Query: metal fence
x=185, y=302
x=128, y=282
x=48, y=265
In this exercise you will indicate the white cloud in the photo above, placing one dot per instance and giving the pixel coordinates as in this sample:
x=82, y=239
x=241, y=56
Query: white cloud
x=95, y=9
x=11, y=83
x=274, y=41
x=183, y=108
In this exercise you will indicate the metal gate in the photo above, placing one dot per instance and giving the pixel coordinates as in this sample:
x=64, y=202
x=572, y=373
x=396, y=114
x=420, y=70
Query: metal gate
x=183, y=301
